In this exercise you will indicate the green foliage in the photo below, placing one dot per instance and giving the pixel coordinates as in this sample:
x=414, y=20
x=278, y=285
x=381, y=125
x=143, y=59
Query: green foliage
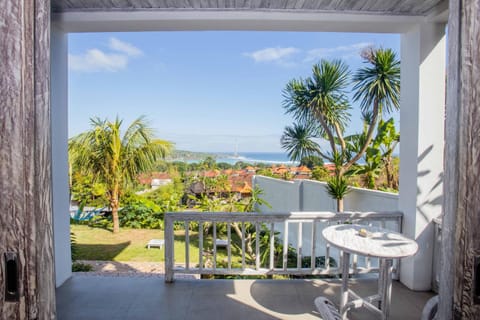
x=264, y=246
x=240, y=165
x=207, y=204
x=388, y=138
x=320, y=102
x=87, y=192
x=139, y=216
x=138, y=213
x=224, y=165
x=81, y=267
x=337, y=187
x=180, y=166
x=168, y=198
x=209, y=163
x=132, y=199
x=77, y=266
x=267, y=173
x=311, y=162
x=104, y=222
x=319, y=262
x=321, y=97
x=320, y=173
x=379, y=82
x=255, y=200
x=115, y=159
x=298, y=141
x=73, y=246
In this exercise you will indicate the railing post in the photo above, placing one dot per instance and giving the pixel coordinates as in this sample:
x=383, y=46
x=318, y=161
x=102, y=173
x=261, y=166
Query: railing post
x=169, y=254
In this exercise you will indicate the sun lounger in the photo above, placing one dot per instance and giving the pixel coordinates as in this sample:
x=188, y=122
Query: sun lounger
x=221, y=243
x=155, y=243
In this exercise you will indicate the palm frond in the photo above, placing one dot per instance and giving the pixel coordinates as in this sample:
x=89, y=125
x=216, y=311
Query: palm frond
x=379, y=82
x=298, y=141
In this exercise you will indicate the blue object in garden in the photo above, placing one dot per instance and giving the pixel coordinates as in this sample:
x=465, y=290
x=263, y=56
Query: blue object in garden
x=85, y=213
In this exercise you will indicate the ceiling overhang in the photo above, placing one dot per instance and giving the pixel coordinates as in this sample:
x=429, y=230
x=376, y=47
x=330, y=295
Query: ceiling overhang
x=387, y=16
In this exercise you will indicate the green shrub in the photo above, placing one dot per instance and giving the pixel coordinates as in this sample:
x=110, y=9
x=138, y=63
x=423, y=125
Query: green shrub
x=140, y=216
x=73, y=246
x=104, y=222
x=81, y=267
x=319, y=262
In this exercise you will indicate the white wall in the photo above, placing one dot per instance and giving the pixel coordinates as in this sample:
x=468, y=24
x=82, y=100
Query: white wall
x=310, y=195
x=359, y=199
x=60, y=188
x=314, y=197
x=282, y=195
x=422, y=115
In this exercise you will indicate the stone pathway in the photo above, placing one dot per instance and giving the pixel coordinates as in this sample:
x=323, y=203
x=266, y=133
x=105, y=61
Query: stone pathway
x=129, y=269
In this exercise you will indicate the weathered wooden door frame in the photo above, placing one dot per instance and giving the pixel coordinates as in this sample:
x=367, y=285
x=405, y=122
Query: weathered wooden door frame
x=25, y=158
x=461, y=221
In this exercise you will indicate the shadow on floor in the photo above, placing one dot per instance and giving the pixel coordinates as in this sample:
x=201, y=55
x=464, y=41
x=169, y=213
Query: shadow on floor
x=108, y=297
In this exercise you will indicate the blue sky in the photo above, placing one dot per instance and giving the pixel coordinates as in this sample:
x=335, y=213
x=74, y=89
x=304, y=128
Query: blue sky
x=204, y=91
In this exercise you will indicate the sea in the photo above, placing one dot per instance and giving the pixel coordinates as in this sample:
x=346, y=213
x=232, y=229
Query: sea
x=256, y=157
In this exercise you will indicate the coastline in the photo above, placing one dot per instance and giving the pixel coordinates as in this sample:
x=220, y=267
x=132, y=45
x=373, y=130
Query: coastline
x=246, y=157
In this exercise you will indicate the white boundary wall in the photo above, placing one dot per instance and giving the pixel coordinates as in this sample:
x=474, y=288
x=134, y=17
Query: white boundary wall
x=310, y=195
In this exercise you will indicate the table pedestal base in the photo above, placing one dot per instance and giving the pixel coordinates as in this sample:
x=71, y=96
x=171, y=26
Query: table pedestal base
x=384, y=290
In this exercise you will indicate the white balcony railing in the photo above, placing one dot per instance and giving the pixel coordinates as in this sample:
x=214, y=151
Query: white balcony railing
x=312, y=222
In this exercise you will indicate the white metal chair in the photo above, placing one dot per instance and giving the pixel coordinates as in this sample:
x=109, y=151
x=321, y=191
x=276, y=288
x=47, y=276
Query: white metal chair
x=431, y=309
x=327, y=310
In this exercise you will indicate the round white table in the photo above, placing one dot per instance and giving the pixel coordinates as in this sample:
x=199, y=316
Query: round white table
x=379, y=243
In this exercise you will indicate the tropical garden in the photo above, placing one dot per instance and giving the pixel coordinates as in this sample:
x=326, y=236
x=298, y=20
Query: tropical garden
x=107, y=161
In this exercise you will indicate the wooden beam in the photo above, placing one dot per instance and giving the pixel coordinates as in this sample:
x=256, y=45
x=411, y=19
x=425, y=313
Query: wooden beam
x=25, y=176
x=461, y=221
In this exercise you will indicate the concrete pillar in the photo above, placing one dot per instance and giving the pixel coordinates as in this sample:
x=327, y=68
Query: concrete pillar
x=60, y=187
x=422, y=117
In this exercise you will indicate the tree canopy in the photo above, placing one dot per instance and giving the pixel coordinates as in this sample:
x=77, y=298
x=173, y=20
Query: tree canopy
x=115, y=158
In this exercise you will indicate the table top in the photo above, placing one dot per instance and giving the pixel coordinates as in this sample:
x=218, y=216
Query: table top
x=381, y=243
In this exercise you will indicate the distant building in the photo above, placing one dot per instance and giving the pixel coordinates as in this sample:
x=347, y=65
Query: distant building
x=155, y=179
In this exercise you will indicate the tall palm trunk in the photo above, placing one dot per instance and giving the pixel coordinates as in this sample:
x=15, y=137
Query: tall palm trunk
x=114, y=204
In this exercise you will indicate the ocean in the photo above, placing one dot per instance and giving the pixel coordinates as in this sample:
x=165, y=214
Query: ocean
x=257, y=157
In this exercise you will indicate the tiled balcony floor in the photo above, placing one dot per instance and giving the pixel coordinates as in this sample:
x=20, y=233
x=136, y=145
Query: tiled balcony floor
x=101, y=297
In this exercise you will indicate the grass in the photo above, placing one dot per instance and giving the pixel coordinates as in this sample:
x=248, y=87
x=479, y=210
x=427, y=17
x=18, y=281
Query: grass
x=130, y=245
x=127, y=245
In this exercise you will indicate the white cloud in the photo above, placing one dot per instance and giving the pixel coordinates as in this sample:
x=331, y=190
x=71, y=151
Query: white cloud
x=96, y=60
x=276, y=55
x=124, y=47
x=344, y=52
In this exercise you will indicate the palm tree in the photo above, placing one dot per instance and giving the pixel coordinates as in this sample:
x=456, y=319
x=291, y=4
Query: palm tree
x=115, y=159
x=298, y=141
x=377, y=87
x=322, y=98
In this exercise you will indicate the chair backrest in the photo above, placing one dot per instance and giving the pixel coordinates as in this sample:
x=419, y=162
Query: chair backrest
x=327, y=310
x=430, y=310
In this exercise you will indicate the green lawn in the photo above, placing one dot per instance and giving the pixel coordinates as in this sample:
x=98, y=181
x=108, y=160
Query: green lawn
x=130, y=245
x=127, y=245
